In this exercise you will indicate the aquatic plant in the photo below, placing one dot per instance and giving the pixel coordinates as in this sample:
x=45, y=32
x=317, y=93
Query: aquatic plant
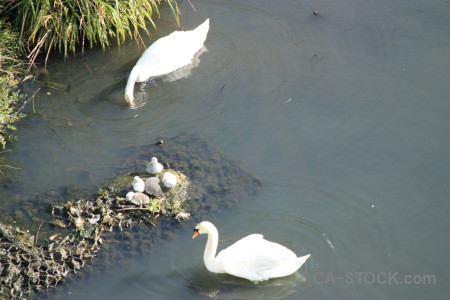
x=65, y=25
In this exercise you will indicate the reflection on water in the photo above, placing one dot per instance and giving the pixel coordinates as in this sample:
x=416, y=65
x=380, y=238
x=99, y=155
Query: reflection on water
x=228, y=287
x=200, y=282
x=343, y=116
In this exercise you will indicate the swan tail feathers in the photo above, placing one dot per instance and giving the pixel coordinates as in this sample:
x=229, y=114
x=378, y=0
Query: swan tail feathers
x=129, y=89
x=203, y=28
x=301, y=260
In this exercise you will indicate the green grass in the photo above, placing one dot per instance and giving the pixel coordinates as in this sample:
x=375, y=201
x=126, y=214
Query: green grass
x=67, y=26
x=10, y=67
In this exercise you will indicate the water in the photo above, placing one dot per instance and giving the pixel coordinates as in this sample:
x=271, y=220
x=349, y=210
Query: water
x=343, y=116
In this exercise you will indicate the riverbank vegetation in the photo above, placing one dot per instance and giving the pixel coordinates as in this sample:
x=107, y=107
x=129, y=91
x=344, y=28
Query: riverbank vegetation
x=10, y=67
x=67, y=26
x=32, y=29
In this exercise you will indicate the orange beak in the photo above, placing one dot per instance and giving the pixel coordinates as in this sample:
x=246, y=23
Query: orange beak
x=196, y=234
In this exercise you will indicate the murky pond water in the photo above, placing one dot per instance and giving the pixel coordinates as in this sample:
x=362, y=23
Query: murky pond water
x=343, y=116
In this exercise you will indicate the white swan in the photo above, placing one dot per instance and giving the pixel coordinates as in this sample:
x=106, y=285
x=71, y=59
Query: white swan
x=252, y=257
x=166, y=55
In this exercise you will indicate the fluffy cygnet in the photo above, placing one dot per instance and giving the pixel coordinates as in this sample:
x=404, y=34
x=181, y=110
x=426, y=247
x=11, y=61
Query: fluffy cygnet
x=138, y=184
x=138, y=198
x=169, y=180
x=152, y=187
x=154, y=166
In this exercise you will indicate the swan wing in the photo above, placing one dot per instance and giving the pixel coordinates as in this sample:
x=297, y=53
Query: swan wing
x=171, y=53
x=257, y=259
x=166, y=55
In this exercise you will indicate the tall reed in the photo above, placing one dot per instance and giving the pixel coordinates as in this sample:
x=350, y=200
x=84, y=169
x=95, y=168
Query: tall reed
x=68, y=25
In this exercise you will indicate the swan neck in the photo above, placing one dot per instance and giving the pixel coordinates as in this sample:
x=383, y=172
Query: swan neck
x=211, y=248
x=129, y=89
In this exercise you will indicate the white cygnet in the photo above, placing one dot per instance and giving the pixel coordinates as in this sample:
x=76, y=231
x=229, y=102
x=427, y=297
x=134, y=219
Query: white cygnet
x=138, y=184
x=154, y=166
x=169, y=180
x=138, y=198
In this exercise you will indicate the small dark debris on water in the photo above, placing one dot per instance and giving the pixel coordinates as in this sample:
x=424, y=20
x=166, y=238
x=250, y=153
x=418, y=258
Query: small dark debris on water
x=316, y=58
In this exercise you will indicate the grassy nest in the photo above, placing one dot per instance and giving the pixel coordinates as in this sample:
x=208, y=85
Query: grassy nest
x=27, y=268
x=75, y=230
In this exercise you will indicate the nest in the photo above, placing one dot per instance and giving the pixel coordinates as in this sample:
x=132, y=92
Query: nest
x=207, y=182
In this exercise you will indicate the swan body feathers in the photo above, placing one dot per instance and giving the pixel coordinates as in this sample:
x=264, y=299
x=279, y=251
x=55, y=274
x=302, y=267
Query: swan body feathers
x=166, y=55
x=252, y=257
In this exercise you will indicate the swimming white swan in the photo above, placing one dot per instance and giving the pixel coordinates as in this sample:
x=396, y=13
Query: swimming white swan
x=252, y=257
x=166, y=55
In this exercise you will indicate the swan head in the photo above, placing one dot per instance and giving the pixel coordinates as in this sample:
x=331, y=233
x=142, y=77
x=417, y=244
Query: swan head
x=129, y=99
x=204, y=227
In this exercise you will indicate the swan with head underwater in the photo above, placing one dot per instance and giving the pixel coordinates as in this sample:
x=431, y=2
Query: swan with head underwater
x=252, y=257
x=166, y=55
